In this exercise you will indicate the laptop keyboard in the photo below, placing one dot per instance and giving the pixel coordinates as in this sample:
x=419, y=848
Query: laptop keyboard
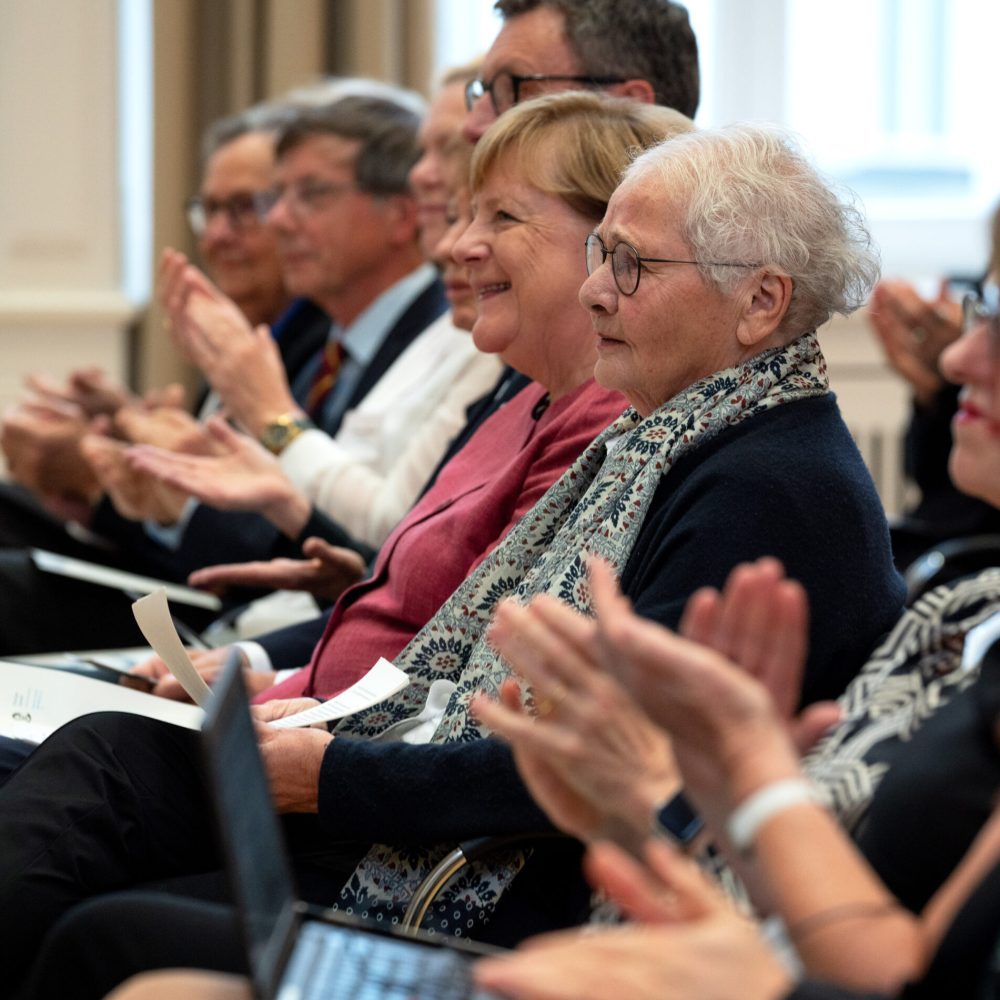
x=330, y=963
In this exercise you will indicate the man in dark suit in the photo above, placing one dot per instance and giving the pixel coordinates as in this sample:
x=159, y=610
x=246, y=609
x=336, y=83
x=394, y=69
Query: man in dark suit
x=347, y=232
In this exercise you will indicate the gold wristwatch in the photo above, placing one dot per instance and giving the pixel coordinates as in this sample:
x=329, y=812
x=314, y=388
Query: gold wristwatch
x=282, y=431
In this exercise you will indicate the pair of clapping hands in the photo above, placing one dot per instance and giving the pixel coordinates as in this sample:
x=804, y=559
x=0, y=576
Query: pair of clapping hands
x=597, y=760
x=67, y=442
x=70, y=443
x=601, y=765
x=244, y=368
x=913, y=332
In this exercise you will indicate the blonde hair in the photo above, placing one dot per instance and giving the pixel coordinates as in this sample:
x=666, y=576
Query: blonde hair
x=576, y=145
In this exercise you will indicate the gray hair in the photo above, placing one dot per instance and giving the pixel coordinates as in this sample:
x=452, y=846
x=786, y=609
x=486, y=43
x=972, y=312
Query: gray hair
x=333, y=88
x=647, y=40
x=386, y=131
x=273, y=116
x=268, y=116
x=746, y=193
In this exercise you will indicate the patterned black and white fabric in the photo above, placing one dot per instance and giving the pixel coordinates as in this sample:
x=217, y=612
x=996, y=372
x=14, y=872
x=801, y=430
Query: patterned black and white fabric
x=915, y=671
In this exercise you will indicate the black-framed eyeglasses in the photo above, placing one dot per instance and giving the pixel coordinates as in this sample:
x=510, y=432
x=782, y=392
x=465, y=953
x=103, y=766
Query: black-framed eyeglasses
x=626, y=264
x=505, y=88
x=302, y=200
x=983, y=308
x=241, y=211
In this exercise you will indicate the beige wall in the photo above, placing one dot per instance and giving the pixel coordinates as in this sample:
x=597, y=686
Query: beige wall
x=60, y=299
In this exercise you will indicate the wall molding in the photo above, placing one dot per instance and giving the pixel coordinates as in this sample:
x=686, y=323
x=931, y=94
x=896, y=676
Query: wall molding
x=70, y=307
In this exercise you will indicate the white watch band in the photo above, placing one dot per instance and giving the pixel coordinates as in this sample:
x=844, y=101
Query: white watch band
x=752, y=813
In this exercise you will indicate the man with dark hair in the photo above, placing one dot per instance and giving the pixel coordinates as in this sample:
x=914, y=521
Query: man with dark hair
x=643, y=49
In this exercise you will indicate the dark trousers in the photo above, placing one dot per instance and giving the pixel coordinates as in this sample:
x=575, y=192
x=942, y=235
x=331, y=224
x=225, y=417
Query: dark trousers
x=112, y=802
x=101, y=943
x=115, y=803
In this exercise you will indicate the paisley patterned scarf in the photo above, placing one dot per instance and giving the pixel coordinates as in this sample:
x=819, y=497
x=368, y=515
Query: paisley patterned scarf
x=597, y=507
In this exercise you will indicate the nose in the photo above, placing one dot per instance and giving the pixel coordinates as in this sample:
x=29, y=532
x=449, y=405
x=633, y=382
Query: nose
x=970, y=359
x=598, y=293
x=480, y=117
x=279, y=217
x=444, y=250
x=423, y=174
x=470, y=247
x=218, y=227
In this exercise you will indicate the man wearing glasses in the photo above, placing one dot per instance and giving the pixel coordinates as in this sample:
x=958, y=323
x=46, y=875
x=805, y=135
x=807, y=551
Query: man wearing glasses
x=345, y=225
x=238, y=251
x=643, y=49
x=346, y=229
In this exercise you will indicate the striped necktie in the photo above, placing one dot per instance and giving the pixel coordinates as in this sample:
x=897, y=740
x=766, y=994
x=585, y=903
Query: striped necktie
x=326, y=377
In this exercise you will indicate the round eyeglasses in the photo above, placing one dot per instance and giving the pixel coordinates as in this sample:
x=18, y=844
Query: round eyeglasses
x=983, y=308
x=626, y=264
x=302, y=200
x=241, y=211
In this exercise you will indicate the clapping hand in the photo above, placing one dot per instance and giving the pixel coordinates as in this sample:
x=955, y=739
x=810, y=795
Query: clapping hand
x=586, y=749
x=688, y=942
x=135, y=495
x=594, y=761
x=914, y=331
x=239, y=475
x=88, y=388
x=242, y=364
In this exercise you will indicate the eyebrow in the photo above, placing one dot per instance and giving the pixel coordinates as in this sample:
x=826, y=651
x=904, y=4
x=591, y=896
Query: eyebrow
x=611, y=238
x=243, y=192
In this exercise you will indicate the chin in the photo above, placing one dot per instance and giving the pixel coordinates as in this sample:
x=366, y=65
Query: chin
x=975, y=476
x=464, y=317
x=608, y=374
x=299, y=285
x=489, y=339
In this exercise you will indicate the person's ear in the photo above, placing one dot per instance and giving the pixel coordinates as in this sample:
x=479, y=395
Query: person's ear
x=766, y=306
x=638, y=90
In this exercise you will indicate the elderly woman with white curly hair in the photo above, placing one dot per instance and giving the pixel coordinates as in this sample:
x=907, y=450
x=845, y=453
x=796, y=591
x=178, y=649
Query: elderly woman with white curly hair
x=720, y=254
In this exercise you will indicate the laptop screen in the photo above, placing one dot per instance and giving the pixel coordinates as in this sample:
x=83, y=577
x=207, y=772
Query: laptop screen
x=250, y=835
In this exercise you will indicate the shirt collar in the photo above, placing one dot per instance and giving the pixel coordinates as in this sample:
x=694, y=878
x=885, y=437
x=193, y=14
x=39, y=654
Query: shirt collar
x=363, y=338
